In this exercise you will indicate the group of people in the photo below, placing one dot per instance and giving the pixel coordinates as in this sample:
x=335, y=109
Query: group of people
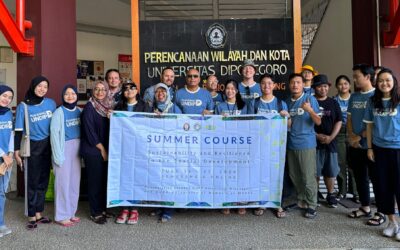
x=323, y=132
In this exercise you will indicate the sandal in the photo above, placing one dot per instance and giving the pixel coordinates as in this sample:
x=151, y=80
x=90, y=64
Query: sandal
x=226, y=211
x=66, y=223
x=123, y=217
x=377, y=220
x=242, y=211
x=359, y=213
x=108, y=215
x=75, y=219
x=133, y=217
x=280, y=213
x=43, y=220
x=31, y=225
x=99, y=219
x=259, y=211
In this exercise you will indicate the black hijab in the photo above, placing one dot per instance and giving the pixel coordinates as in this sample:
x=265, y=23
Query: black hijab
x=66, y=104
x=30, y=97
x=5, y=88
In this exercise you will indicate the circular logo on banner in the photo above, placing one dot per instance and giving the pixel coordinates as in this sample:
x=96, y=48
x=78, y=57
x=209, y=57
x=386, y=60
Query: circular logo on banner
x=216, y=36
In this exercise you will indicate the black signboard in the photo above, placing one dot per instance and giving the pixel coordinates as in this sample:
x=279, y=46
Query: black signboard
x=216, y=47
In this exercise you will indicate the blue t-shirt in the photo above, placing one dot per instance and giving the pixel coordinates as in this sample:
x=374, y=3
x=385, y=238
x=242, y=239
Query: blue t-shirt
x=343, y=103
x=39, y=119
x=227, y=108
x=131, y=107
x=249, y=93
x=72, y=123
x=357, y=105
x=6, y=127
x=194, y=102
x=386, y=131
x=217, y=99
x=301, y=134
x=274, y=106
x=308, y=90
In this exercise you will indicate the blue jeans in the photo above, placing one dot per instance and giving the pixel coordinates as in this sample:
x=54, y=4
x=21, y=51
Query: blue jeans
x=3, y=188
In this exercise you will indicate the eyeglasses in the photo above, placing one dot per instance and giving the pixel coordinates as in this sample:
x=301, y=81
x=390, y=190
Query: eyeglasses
x=99, y=90
x=192, y=76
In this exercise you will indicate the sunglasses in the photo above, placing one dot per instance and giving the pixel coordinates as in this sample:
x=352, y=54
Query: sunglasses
x=129, y=88
x=192, y=76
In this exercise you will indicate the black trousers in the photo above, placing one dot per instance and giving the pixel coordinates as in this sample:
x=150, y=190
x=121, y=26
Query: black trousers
x=96, y=171
x=363, y=170
x=387, y=178
x=37, y=176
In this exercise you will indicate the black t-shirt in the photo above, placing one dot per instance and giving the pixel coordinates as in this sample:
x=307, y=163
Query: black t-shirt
x=331, y=114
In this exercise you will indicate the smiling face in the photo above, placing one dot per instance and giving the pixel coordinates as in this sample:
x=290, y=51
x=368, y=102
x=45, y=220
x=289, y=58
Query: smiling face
x=212, y=83
x=343, y=86
x=160, y=95
x=113, y=79
x=6, y=98
x=130, y=92
x=307, y=74
x=41, y=89
x=168, y=77
x=193, y=78
x=267, y=86
x=230, y=91
x=99, y=91
x=322, y=90
x=248, y=72
x=385, y=83
x=70, y=96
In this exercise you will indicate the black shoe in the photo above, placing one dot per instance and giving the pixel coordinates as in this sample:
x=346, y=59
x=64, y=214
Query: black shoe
x=100, y=219
x=331, y=200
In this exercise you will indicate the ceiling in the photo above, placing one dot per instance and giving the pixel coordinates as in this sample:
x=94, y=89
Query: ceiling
x=108, y=16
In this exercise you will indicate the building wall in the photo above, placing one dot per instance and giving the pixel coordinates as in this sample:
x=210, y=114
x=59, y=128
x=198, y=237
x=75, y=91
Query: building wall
x=11, y=69
x=331, y=52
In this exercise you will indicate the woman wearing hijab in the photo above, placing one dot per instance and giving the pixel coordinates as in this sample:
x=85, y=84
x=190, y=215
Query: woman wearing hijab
x=6, y=149
x=37, y=166
x=95, y=128
x=65, y=139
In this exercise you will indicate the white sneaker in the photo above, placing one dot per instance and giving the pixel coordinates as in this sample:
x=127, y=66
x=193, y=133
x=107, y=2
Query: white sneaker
x=391, y=230
x=397, y=236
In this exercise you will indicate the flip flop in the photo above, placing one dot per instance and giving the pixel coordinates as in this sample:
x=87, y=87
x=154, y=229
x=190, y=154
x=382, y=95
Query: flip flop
x=43, y=220
x=75, y=219
x=280, y=213
x=31, y=225
x=65, y=224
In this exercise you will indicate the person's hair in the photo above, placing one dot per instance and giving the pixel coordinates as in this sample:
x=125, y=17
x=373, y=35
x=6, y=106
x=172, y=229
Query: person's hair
x=165, y=69
x=123, y=103
x=239, y=101
x=365, y=69
x=344, y=77
x=266, y=75
x=394, y=93
x=110, y=71
x=293, y=75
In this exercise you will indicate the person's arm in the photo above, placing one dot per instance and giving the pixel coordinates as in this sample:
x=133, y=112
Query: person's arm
x=370, y=152
x=306, y=106
x=338, y=123
x=56, y=137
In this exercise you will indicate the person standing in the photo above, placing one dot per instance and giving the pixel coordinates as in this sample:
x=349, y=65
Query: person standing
x=382, y=117
x=113, y=79
x=6, y=149
x=167, y=77
x=130, y=101
x=212, y=87
x=345, y=179
x=37, y=166
x=331, y=123
x=95, y=127
x=363, y=168
x=65, y=140
x=249, y=89
x=308, y=72
x=301, y=153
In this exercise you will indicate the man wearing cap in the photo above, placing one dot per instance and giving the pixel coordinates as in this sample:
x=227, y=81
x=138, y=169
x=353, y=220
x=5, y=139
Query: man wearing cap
x=308, y=73
x=192, y=99
x=248, y=88
x=167, y=77
x=301, y=155
x=331, y=123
